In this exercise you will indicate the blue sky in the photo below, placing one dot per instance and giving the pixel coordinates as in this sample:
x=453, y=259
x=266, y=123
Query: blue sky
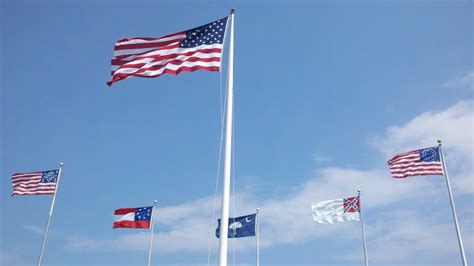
x=325, y=93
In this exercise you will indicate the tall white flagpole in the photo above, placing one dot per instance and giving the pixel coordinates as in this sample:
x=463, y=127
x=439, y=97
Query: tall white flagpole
x=151, y=233
x=228, y=150
x=49, y=218
x=363, y=231
x=257, y=225
x=445, y=171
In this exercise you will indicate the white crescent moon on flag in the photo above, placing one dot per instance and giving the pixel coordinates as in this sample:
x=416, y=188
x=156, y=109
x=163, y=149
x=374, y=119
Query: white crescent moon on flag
x=248, y=221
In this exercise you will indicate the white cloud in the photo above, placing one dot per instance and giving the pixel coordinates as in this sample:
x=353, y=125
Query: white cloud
x=189, y=224
x=411, y=234
x=188, y=227
x=455, y=126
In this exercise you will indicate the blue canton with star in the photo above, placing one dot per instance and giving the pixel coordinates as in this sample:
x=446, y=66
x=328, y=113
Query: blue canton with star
x=429, y=155
x=49, y=177
x=143, y=214
x=211, y=33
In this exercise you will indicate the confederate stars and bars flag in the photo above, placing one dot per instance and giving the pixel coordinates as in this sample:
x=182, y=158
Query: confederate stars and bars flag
x=337, y=210
x=133, y=217
x=189, y=50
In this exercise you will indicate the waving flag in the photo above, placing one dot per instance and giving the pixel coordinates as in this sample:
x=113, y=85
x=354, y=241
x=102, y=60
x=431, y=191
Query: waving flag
x=414, y=163
x=133, y=217
x=239, y=227
x=35, y=183
x=338, y=210
x=189, y=50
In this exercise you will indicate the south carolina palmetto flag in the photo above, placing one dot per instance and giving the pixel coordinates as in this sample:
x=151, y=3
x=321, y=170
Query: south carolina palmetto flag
x=337, y=210
x=188, y=50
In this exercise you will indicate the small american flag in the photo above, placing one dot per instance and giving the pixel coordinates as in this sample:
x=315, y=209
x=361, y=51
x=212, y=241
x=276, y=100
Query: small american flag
x=36, y=183
x=189, y=50
x=414, y=163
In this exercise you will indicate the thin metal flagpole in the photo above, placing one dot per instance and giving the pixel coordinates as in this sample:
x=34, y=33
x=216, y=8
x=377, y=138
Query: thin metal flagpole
x=49, y=218
x=223, y=238
x=363, y=231
x=257, y=225
x=445, y=171
x=151, y=231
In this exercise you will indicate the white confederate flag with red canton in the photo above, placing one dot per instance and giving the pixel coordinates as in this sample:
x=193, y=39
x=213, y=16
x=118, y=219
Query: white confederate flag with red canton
x=337, y=210
x=189, y=50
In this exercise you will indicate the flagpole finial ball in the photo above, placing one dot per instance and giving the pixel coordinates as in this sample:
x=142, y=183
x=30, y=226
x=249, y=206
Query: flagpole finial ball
x=232, y=10
x=61, y=164
x=359, y=190
x=439, y=142
x=155, y=201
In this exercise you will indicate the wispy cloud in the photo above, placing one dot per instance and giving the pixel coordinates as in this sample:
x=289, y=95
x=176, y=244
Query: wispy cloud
x=34, y=229
x=462, y=80
x=10, y=258
x=320, y=158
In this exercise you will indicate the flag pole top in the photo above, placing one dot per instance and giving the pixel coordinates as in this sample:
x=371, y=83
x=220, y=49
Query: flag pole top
x=61, y=164
x=232, y=11
x=439, y=142
x=359, y=190
x=154, y=202
x=258, y=210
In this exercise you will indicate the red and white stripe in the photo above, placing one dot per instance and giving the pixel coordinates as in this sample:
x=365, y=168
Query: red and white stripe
x=153, y=57
x=410, y=164
x=125, y=218
x=29, y=184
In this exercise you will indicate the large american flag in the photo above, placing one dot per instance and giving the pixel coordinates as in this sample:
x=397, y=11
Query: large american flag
x=414, y=163
x=189, y=50
x=35, y=183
